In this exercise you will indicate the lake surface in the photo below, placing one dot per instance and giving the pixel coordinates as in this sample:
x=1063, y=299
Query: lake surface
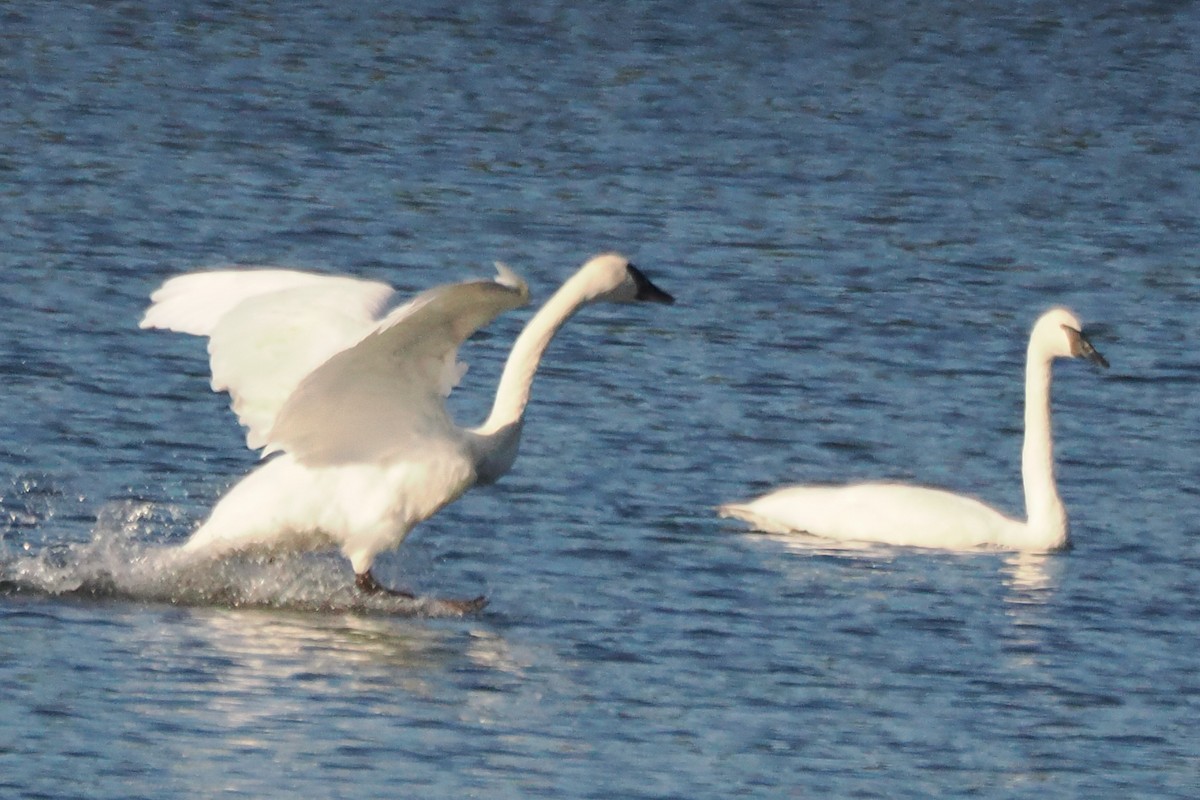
x=861, y=209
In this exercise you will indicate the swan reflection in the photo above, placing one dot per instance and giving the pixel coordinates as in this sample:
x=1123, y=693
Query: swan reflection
x=1030, y=577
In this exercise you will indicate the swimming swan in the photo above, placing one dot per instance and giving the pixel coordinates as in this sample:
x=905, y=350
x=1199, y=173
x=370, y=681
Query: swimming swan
x=355, y=401
x=898, y=514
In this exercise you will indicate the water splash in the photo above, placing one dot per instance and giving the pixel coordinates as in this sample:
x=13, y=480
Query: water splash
x=127, y=560
x=29, y=502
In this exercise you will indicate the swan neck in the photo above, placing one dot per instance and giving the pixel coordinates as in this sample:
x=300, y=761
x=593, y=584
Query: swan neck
x=516, y=381
x=1047, y=520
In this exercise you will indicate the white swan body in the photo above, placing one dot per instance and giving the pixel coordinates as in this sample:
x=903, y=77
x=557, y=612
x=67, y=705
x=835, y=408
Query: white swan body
x=355, y=401
x=917, y=516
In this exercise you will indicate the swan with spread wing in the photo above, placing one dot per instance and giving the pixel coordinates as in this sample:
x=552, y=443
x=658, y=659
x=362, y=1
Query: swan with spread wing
x=350, y=398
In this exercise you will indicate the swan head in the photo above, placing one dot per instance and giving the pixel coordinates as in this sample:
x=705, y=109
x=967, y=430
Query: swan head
x=1059, y=334
x=613, y=279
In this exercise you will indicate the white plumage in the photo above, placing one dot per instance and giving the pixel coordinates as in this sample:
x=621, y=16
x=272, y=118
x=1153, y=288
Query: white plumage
x=354, y=398
x=267, y=330
x=899, y=514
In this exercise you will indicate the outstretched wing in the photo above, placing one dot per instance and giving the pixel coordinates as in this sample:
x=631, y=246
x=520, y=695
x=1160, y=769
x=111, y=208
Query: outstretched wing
x=385, y=394
x=267, y=329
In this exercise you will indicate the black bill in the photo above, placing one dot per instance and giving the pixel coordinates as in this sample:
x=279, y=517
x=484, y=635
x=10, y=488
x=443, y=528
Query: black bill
x=646, y=290
x=1082, y=348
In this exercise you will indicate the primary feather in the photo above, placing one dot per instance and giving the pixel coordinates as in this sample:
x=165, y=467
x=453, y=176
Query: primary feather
x=267, y=330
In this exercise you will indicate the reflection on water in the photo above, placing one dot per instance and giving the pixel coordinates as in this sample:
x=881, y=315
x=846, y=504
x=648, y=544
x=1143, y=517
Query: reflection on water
x=815, y=545
x=320, y=691
x=1031, y=577
x=1030, y=580
x=331, y=643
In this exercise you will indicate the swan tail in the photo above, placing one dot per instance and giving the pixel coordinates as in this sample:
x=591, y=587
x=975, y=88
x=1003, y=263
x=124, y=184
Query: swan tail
x=730, y=510
x=756, y=521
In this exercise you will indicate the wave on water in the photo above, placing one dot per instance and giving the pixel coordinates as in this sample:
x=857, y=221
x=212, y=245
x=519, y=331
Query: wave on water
x=126, y=559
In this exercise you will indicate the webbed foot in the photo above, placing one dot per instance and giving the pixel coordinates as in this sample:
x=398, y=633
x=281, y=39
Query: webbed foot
x=366, y=583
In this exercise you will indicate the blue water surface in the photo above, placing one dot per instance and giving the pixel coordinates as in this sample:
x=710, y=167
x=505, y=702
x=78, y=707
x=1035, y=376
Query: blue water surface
x=861, y=208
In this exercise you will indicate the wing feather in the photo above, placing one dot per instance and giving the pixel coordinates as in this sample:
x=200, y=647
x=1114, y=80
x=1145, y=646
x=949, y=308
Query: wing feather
x=386, y=393
x=267, y=329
